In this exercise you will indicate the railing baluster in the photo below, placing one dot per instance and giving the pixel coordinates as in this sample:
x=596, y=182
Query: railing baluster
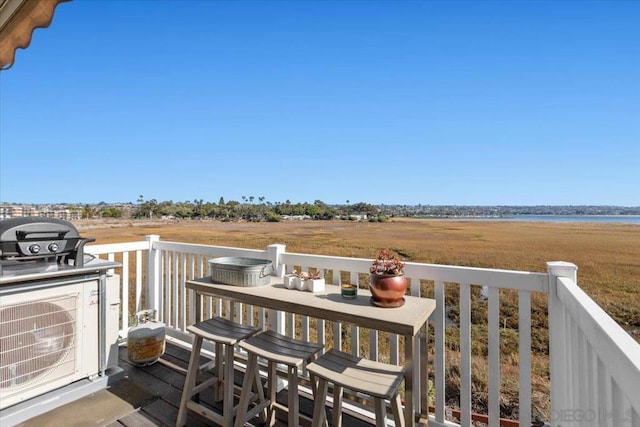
x=608, y=399
x=291, y=325
x=419, y=375
x=124, y=304
x=207, y=302
x=304, y=321
x=618, y=414
x=439, y=351
x=175, y=289
x=575, y=365
x=465, y=355
x=394, y=349
x=494, y=357
x=424, y=381
x=355, y=330
x=583, y=390
x=219, y=307
x=165, y=297
x=337, y=335
x=524, y=357
x=166, y=285
x=373, y=344
x=182, y=278
x=592, y=373
x=250, y=315
x=568, y=398
x=138, y=296
x=162, y=288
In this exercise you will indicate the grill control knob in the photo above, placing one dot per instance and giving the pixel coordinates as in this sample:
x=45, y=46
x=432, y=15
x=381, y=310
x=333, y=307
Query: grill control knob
x=34, y=249
x=53, y=247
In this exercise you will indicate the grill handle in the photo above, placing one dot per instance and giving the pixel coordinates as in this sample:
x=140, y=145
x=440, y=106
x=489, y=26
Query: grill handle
x=23, y=235
x=78, y=255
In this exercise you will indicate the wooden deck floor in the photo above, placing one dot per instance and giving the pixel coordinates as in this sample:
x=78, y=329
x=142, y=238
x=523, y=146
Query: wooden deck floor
x=147, y=396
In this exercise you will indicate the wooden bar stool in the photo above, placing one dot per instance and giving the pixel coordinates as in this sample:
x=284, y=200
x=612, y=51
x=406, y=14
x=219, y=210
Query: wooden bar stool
x=225, y=334
x=276, y=349
x=379, y=380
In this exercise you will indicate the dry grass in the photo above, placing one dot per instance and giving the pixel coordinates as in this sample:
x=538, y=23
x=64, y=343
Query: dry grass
x=607, y=256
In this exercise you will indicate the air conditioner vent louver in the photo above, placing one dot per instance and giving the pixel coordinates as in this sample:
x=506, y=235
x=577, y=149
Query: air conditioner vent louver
x=37, y=341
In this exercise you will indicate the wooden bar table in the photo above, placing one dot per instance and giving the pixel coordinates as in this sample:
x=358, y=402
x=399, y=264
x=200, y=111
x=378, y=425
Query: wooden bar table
x=406, y=321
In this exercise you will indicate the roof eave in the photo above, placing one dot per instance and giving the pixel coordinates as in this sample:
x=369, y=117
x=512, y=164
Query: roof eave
x=18, y=20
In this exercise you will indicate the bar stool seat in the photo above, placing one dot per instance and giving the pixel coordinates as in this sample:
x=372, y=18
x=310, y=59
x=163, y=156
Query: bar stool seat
x=225, y=334
x=276, y=349
x=378, y=380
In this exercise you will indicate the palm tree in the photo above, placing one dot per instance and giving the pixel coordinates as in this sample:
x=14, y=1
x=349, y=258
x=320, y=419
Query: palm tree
x=244, y=200
x=87, y=212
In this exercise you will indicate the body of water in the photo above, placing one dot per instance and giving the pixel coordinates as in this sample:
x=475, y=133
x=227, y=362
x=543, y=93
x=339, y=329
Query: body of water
x=621, y=219
x=602, y=219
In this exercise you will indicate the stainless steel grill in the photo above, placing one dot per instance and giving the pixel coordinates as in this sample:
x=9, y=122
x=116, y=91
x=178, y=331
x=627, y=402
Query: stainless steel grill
x=36, y=238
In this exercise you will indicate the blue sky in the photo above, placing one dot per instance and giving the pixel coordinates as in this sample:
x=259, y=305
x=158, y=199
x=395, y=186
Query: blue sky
x=431, y=102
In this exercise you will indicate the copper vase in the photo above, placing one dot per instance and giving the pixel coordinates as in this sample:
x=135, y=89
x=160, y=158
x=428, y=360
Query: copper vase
x=387, y=290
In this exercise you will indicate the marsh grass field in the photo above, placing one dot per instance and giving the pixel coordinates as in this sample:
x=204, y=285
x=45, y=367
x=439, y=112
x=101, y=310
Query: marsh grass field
x=607, y=256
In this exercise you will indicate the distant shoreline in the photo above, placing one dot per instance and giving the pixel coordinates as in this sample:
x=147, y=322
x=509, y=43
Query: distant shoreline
x=100, y=223
x=614, y=219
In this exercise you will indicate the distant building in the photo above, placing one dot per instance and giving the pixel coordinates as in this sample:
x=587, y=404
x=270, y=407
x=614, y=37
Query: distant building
x=21, y=211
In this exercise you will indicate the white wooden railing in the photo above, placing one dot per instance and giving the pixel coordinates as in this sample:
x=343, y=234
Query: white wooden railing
x=595, y=365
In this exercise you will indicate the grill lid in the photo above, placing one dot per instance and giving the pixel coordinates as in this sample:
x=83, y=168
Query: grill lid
x=40, y=237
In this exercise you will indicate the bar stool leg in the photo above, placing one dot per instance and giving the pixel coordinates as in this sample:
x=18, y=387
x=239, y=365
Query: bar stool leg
x=190, y=380
x=218, y=390
x=294, y=402
x=260, y=393
x=319, y=410
x=227, y=382
x=272, y=388
x=396, y=407
x=381, y=413
x=243, y=405
x=337, y=405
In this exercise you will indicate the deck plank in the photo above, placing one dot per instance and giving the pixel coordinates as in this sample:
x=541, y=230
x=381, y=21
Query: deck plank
x=138, y=418
x=149, y=396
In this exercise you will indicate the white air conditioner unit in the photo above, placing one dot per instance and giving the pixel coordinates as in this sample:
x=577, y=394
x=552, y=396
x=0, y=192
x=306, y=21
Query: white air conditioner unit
x=49, y=338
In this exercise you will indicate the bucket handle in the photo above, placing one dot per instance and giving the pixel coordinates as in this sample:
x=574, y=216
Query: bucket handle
x=262, y=272
x=145, y=316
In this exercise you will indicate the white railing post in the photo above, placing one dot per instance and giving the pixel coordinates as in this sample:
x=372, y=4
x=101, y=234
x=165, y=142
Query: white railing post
x=277, y=321
x=153, y=275
x=273, y=252
x=558, y=340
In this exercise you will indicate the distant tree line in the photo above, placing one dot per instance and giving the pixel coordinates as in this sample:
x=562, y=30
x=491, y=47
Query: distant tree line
x=251, y=208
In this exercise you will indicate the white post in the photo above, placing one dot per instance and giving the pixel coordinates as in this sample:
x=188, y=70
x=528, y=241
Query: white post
x=558, y=341
x=153, y=275
x=274, y=251
x=277, y=322
x=276, y=318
